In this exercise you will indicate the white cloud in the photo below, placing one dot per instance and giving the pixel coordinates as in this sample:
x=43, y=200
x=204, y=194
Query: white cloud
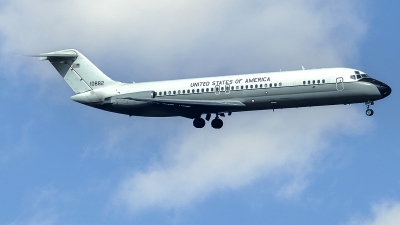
x=172, y=38
x=261, y=145
x=162, y=39
x=386, y=213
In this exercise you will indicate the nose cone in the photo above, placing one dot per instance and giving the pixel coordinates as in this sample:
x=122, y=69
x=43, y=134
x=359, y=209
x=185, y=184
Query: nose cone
x=384, y=89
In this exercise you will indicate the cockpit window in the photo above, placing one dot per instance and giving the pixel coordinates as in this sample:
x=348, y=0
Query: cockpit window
x=358, y=76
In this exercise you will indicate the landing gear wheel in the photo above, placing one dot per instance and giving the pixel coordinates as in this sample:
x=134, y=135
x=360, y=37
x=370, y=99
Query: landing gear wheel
x=217, y=123
x=369, y=112
x=199, y=122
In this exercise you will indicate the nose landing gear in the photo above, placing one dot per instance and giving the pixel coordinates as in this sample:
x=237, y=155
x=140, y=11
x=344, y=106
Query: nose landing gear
x=369, y=111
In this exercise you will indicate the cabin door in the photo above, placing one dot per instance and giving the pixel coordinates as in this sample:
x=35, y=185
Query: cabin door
x=339, y=84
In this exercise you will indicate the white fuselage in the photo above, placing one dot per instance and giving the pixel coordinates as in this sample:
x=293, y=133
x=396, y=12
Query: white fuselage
x=255, y=92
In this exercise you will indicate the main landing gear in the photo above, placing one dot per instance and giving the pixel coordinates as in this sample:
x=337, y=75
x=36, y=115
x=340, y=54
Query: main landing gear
x=369, y=111
x=199, y=122
x=216, y=123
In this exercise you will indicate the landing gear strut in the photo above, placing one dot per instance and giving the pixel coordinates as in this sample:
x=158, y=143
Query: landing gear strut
x=369, y=111
x=217, y=123
x=199, y=122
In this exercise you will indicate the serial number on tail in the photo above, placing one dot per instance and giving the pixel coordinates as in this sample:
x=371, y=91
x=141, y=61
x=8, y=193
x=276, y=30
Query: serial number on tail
x=96, y=83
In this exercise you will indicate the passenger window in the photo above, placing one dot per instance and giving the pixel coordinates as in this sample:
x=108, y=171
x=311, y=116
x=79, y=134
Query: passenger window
x=323, y=81
x=222, y=88
x=247, y=86
x=237, y=87
x=280, y=84
x=198, y=90
x=318, y=81
x=270, y=85
x=183, y=91
x=202, y=90
x=309, y=82
x=304, y=82
x=275, y=85
x=159, y=93
x=206, y=89
x=193, y=91
x=241, y=87
x=266, y=85
x=251, y=86
x=165, y=93
x=232, y=88
x=169, y=92
x=179, y=91
x=212, y=89
x=256, y=86
x=174, y=92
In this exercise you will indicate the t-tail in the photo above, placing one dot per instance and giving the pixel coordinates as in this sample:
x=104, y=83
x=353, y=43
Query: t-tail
x=80, y=74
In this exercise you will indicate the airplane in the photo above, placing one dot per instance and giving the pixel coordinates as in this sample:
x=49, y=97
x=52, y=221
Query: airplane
x=193, y=98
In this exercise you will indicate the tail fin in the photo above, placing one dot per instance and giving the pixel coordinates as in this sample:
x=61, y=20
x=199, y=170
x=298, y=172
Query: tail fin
x=80, y=74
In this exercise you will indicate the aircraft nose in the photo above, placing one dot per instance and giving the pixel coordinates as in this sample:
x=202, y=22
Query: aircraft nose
x=384, y=89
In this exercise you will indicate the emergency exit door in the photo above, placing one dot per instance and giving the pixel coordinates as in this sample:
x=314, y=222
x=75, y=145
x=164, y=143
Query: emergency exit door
x=339, y=84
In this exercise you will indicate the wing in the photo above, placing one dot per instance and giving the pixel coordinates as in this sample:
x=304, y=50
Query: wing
x=189, y=103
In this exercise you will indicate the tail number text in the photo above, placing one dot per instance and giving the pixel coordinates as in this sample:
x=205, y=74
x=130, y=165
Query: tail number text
x=96, y=83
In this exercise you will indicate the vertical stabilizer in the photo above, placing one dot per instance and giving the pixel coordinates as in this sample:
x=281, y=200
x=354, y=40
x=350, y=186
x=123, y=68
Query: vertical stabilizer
x=80, y=74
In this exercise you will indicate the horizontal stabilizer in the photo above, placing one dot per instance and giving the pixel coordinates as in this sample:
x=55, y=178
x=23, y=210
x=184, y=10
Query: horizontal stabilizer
x=47, y=56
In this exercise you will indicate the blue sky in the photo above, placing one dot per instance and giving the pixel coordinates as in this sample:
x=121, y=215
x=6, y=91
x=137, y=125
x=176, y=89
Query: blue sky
x=64, y=163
